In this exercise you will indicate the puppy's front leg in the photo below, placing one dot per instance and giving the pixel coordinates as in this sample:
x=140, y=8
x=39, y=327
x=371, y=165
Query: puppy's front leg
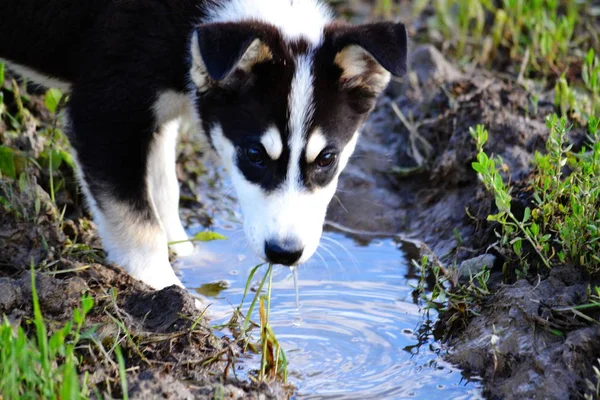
x=134, y=240
x=112, y=151
x=164, y=187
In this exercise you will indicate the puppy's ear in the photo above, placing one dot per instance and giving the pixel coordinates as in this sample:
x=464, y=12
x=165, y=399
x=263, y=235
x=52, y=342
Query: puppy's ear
x=369, y=54
x=220, y=48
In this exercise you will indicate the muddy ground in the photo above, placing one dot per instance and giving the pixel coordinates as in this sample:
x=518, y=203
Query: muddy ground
x=411, y=178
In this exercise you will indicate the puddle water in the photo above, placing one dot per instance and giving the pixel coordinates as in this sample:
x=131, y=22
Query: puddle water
x=356, y=334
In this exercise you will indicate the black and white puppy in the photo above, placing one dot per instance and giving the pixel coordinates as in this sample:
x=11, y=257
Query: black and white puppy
x=278, y=87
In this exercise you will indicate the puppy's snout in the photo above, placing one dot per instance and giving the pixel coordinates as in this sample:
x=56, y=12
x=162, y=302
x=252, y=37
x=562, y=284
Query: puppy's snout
x=284, y=253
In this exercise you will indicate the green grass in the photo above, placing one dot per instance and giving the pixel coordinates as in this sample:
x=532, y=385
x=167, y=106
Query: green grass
x=591, y=77
x=273, y=361
x=44, y=367
x=541, y=32
x=38, y=364
x=54, y=163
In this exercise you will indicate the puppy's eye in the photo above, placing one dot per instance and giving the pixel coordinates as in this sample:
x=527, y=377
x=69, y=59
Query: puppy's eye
x=256, y=155
x=326, y=159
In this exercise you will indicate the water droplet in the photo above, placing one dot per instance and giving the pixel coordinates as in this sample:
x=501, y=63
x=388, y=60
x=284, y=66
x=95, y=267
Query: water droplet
x=296, y=286
x=297, y=321
x=234, y=272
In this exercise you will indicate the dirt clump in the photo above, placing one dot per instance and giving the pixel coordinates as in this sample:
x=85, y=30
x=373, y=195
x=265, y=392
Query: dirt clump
x=517, y=344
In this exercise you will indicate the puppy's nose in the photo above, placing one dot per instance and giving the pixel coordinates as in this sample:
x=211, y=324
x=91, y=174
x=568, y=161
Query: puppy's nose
x=285, y=253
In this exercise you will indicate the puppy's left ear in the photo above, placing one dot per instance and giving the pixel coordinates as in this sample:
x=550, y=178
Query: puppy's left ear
x=369, y=54
x=219, y=49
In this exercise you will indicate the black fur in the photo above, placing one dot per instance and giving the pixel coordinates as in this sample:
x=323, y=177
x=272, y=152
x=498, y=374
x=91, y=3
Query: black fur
x=118, y=55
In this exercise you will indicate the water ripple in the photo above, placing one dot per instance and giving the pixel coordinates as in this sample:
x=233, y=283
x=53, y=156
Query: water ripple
x=353, y=336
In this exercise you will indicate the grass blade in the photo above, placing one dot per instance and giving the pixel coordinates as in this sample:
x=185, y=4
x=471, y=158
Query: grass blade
x=122, y=372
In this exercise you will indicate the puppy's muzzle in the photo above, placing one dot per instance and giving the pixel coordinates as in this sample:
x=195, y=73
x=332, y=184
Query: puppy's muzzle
x=286, y=252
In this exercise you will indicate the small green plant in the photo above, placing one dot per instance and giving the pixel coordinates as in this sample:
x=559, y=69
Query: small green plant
x=203, y=236
x=445, y=295
x=564, y=224
x=568, y=205
x=514, y=231
x=55, y=152
x=564, y=97
x=591, y=77
x=273, y=362
x=465, y=17
x=46, y=367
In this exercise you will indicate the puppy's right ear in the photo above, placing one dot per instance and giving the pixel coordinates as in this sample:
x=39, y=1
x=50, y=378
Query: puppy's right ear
x=368, y=54
x=218, y=49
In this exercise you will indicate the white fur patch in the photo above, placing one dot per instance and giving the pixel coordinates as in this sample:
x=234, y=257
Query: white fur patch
x=138, y=246
x=294, y=18
x=171, y=109
x=171, y=105
x=347, y=153
x=315, y=145
x=271, y=141
x=301, y=109
x=224, y=148
x=37, y=77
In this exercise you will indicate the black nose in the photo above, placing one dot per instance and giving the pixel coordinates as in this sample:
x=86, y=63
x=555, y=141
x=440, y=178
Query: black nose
x=285, y=253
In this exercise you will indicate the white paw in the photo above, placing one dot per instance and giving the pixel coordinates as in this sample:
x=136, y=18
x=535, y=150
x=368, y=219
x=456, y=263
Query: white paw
x=158, y=276
x=183, y=249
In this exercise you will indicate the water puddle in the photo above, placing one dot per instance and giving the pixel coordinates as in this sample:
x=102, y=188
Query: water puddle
x=356, y=333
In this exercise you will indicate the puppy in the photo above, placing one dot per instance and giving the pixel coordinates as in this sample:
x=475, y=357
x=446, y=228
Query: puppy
x=278, y=87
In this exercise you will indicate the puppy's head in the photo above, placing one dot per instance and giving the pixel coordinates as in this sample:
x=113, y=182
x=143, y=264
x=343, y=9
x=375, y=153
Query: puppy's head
x=283, y=112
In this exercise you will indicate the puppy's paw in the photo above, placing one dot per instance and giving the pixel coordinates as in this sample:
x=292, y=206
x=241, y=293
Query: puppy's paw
x=158, y=276
x=183, y=249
